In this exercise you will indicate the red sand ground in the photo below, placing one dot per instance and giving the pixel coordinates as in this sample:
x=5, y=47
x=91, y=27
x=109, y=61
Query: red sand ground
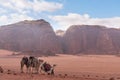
x=86, y=67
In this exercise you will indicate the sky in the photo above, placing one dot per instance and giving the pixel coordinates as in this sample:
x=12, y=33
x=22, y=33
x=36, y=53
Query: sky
x=61, y=14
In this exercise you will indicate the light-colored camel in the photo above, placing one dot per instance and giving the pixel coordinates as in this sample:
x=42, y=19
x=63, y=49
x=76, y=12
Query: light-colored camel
x=31, y=63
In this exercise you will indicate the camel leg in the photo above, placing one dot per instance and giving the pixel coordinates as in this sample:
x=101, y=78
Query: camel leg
x=22, y=65
x=31, y=70
x=37, y=69
x=27, y=71
x=52, y=72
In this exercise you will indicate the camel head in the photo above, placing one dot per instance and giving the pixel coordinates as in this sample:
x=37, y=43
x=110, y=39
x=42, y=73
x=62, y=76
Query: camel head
x=54, y=65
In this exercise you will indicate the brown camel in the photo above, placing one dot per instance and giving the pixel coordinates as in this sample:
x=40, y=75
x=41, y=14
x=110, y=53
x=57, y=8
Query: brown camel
x=47, y=68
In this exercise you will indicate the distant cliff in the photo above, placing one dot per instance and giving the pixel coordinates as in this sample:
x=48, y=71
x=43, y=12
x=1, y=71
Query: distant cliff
x=91, y=39
x=30, y=36
x=37, y=37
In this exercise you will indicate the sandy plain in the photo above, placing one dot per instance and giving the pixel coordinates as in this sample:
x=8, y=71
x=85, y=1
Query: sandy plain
x=69, y=67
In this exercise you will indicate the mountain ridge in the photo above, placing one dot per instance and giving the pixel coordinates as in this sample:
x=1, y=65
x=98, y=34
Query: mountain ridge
x=38, y=37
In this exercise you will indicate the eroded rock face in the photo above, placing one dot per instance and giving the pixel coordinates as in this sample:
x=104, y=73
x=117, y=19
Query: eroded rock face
x=104, y=42
x=91, y=39
x=36, y=36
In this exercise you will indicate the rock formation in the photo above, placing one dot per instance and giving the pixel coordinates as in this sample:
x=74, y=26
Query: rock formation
x=30, y=36
x=38, y=37
x=91, y=39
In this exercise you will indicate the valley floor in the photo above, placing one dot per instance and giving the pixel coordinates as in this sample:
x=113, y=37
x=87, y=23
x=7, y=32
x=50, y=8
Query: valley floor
x=85, y=67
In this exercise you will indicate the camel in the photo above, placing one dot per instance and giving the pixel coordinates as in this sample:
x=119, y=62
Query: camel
x=47, y=68
x=24, y=62
x=31, y=63
x=34, y=63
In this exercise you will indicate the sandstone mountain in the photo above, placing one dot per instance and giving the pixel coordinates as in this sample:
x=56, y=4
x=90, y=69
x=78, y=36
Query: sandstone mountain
x=91, y=39
x=30, y=36
x=37, y=37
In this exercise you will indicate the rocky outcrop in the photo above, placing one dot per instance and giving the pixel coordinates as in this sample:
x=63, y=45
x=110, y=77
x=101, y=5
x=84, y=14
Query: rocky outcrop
x=91, y=39
x=104, y=43
x=30, y=36
x=37, y=37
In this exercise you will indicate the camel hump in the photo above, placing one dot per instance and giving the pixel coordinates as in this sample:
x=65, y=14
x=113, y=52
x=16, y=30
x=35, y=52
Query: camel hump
x=31, y=57
x=25, y=58
x=47, y=67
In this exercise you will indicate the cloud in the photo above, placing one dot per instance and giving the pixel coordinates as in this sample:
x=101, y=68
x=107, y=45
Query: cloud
x=46, y=6
x=2, y=11
x=76, y=19
x=26, y=5
x=12, y=11
x=13, y=18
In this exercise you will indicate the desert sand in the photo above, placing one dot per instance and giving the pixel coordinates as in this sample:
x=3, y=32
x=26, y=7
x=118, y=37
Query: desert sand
x=69, y=67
